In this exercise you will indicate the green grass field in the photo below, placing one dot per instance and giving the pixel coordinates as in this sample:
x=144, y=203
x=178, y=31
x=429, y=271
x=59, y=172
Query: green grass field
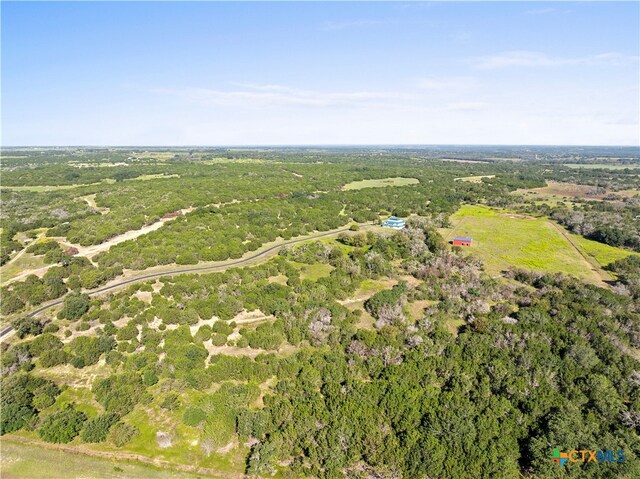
x=22, y=461
x=313, y=271
x=474, y=179
x=504, y=240
x=602, y=253
x=399, y=181
x=25, y=262
x=152, y=177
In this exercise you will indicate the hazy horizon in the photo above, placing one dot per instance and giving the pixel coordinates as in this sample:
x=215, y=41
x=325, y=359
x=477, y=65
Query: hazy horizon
x=324, y=145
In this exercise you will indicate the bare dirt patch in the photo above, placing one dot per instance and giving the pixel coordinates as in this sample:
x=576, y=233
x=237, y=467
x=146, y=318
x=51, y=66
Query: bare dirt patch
x=249, y=352
x=91, y=201
x=254, y=316
x=144, y=296
x=416, y=308
x=280, y=279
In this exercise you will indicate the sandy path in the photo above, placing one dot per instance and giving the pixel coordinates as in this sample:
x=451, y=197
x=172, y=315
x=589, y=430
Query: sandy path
x=91, y=201
x=90, y=251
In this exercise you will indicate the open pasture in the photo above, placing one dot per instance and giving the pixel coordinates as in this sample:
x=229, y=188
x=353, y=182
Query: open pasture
x=506, y=240
x=399, y=181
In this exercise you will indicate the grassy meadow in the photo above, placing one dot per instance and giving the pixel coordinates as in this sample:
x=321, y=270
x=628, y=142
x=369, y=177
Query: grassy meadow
x=26, y=261
x=475, y=179
x=21, y=461
x=504, y=240
x=399, y=181
x=602, y=253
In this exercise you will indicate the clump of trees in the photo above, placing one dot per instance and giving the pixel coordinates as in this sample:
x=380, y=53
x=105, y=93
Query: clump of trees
x=96, y=429
x=387, y=305
x=23, y=397
x=605, y=222
x=74, y=306
x=119, y=393
x=62, y=426
x=628, y=272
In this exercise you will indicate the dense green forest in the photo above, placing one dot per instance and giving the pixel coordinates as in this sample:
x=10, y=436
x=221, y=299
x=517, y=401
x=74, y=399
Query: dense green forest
x=540, y=362
x=367, y=354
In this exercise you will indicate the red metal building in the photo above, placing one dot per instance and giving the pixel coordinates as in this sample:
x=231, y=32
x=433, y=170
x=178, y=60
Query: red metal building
x=462, y=241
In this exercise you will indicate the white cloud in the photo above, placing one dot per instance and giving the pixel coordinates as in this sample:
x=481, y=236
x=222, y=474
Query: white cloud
x=467, y=106
x=446, y=83
x=252, y=95
x=524, y=58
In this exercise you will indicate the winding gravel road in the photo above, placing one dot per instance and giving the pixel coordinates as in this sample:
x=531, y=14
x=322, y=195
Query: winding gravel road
x=183, y=270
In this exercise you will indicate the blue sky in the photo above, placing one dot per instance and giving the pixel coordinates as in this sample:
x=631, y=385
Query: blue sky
x=161, y=73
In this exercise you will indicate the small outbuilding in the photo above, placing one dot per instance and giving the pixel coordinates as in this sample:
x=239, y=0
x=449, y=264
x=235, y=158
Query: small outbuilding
x=462, y=241
x=72, y=251
x=394, y=222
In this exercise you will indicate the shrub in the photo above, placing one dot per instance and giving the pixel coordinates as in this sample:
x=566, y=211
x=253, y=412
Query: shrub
x=253, y=423
x=51, y=328
x=149, y=378
x=10, y=303
x=128, y=332
x=27, y=325
x=193, y=416
x=222, y=328
x=42, y=247
x=54, y=357
x=121, y=433
x=63, y=426
x=18, y=401
x=87, y=349
x=119, y=393
x=96, y=429
x=75, y=305
x=171, y=402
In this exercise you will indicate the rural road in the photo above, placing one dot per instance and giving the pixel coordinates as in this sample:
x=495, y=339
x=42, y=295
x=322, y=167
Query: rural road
x=184, y=270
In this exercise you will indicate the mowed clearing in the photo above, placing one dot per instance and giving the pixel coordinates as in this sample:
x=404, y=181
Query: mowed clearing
x=506, y=240
x=474, y=179
x=399, y=181
x=568, y=194
x=21, y=461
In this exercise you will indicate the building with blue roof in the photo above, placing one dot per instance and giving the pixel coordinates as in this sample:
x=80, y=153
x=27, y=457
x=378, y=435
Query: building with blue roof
x=394, y=222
